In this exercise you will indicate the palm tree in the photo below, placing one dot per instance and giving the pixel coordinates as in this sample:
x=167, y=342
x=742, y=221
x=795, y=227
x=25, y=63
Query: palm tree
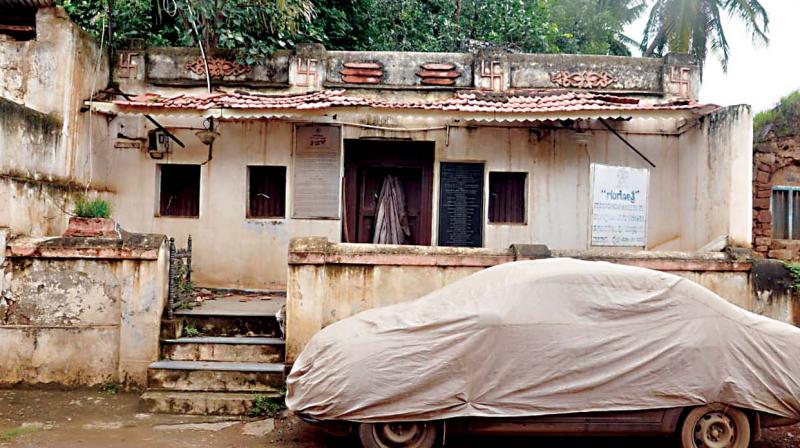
x=695, y=27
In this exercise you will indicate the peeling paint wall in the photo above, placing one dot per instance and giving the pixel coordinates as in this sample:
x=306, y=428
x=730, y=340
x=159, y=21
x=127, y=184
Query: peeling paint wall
x=45, y=153
x=695, y=192
x=74, y=320
x=329, y=281
x=715, y=172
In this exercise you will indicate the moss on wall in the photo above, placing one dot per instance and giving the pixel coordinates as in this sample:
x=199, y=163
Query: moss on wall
x=14, y=115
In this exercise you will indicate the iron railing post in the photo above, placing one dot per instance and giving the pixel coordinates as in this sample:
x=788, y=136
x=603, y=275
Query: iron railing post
x=172, y=283
x=189, y=261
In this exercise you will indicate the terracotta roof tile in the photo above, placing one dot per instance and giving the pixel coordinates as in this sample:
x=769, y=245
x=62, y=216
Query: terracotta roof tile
x=522, y=101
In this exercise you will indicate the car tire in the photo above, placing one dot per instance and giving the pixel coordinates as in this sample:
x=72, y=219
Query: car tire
x=399, y=435
x=715, y=426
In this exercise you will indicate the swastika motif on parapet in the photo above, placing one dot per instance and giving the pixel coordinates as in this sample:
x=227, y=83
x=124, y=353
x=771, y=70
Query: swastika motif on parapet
x=683, y=78
x=583, y=80
x=493, y=72
x=306, y=72
x=128, y=68
x=217, y=67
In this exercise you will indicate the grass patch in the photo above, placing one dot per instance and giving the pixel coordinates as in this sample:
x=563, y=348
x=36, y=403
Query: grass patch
x=265, y=406
x=9, y=435
x=95, y=208
x=190, y=331
x=110, y=388
x=783, y=119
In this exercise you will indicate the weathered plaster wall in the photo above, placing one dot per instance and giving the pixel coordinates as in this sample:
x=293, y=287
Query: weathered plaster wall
x=63, y=295
x=46, y=143
x=694, y=193
x=329, y=282
x=715, y=175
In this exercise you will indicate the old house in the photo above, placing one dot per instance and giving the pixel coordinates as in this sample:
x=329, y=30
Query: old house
x=459, y=161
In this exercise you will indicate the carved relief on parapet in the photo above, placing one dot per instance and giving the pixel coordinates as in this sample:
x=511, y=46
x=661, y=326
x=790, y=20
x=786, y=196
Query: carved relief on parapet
x=583, y=80
x=681, y=77
x=217, y=67
x=306, y=71
x=491, y=74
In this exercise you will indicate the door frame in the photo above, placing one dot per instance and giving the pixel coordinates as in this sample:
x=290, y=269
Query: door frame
x=359, y=153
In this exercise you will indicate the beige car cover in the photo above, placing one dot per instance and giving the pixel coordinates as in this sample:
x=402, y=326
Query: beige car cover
x=548, y=337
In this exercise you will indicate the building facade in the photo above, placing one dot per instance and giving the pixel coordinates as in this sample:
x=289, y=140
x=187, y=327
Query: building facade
x=486, y=150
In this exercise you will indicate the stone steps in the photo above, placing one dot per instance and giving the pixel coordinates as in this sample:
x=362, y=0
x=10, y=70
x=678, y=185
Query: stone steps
x=226, y=349
x=198, y=403
x=215, y=376
x=227, y=324
x=233, y=356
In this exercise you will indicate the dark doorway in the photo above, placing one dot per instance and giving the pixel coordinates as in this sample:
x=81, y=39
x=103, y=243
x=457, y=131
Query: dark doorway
x=367, y=165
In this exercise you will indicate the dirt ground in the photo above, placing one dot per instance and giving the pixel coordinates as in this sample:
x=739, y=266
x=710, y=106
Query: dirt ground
x=89, y=419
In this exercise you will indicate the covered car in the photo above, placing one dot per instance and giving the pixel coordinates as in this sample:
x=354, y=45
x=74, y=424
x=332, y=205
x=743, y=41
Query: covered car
x=548, y=337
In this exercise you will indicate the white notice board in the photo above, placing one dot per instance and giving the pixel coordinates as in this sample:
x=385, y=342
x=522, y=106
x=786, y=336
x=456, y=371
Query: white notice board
x=316, y=174
x=619, y=205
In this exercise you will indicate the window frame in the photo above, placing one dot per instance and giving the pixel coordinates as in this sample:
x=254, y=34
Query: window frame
x=489, y=201
x=789, y=207
x=248, y=199
x=159, y=184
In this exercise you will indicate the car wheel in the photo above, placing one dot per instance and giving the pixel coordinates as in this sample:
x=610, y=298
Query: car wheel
x=715, y=426
x=399, y=435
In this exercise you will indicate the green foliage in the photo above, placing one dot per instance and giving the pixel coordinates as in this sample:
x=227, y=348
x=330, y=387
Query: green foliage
x=190, y=331
x=132, y=19
x=794, y=273
x=185, y=286
x=95, y=208
x=9, y=435
x=258, y=27
x=110, y=388
x=695, y=27
x=594, y=26
x=266, y=406
x=783, y=120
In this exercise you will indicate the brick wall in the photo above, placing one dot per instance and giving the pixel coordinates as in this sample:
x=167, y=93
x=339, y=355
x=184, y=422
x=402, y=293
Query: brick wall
x=776, y=161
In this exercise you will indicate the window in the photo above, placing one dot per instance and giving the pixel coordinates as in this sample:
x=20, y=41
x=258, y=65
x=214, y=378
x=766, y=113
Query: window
x=786, y=213
x=507, y=197
x=267, y=192
x=179, y=193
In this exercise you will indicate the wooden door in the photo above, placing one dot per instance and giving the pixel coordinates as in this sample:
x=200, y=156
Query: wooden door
x=367, y=163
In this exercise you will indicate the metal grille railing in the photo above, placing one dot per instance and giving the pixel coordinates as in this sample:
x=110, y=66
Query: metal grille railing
x=180, y=276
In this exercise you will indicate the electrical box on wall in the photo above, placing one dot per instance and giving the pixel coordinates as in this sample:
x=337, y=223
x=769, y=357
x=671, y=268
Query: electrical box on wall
x=158, y=144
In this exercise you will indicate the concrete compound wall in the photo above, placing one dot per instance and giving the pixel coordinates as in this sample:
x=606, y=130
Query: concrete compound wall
x=329, y=281
x=47, y=145
x=81, y=311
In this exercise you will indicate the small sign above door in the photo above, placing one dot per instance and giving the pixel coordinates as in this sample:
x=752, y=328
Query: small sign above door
x=316, y=174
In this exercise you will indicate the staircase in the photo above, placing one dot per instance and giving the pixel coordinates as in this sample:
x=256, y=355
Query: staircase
x=217, y=358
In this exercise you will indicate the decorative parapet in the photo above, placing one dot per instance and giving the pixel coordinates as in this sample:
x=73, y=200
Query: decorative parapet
x=311, y=67
x=185, y=67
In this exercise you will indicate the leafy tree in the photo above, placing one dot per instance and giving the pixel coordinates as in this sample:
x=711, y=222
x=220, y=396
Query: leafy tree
x=595, y=26
x=695, y=27
x=258, y=27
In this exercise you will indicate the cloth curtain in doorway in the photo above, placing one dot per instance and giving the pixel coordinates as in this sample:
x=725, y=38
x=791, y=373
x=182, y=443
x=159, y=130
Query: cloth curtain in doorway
x=391, y=221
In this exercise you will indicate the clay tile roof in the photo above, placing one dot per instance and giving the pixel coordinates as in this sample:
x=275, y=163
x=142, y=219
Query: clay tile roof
x=512, y=102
